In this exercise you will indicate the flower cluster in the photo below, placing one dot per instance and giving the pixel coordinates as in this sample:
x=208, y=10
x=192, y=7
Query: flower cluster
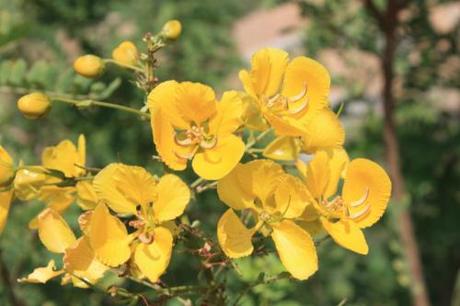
x=300, y=186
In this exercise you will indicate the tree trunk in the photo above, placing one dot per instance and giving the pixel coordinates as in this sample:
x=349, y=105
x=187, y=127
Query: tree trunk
x=406, y=229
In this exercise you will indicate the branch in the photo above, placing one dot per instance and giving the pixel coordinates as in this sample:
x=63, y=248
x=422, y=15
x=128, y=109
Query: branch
x=375, y=12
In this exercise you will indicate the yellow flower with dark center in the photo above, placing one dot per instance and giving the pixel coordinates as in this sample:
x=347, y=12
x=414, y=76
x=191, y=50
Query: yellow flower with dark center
x=274, y=199
x=363, y=200
x=286, y=93
x=126, y=53
x=189, y=124
x=131, y=190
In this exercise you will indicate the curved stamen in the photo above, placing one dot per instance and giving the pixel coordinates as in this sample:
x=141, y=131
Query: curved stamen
x=360, y=213
x=360, y=201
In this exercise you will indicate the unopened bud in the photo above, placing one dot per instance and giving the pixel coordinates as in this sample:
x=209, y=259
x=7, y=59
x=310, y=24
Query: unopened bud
x=90, y=66
x=126, y=53
x=34, y=105
x=172, y=29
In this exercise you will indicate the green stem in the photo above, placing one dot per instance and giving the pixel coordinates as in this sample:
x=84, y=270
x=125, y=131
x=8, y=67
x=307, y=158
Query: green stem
x=259, y=137
x=89, y=102
x=197, y=182
x=135, y=68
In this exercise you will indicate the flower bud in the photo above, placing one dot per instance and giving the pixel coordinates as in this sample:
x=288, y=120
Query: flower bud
x=34, y=105
x=172, y=29
x=6, y=167
x=126, y=53
x=90, y=66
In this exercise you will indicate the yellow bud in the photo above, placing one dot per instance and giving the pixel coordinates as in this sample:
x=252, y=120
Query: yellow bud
x=34, y=105
x=6, y=167
x=172, y=29
x=90, y=66
x=126, y=53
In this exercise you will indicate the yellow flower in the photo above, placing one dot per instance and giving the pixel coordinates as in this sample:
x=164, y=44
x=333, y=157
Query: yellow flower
x=274, y=199
x=34, y=105
x=126, y=53
x=6, y=167
x=90, y=66
x=323, y=132
x=287, y=93
x=188, y=123
x=363, y=200
x=78, y=257
x=66, y=157
x=131, y=190
x=172, y=29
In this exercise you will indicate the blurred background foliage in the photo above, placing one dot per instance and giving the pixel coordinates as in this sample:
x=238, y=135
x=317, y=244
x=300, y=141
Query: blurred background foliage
x=39, y=39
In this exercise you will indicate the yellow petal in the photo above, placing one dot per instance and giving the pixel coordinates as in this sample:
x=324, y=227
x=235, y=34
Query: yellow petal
x=153, y=259
x=86, y=195
x=163, y=97
x=282, y=148
x=267, y=70
x=234, y=238
x=54, y=232
x=291, y=197
x=108, y=237
x=367, y=190
x=5, y=202
x=285, y=125
x=318, y=174
x=231, y=192
x=260, y=178
x=229, y=115
x=296, y=249
x=164, y=138
x=303, y=72
x=196, y=102
x=6, y=166
x=338, y=161
x=324, y=131
x=125, y=187
x=63, y=157
x=57, y=198
x=80, y=260
x=346, y=234
x=173, y=197
x=42, y=274
x=27, y=183
x=215, y=163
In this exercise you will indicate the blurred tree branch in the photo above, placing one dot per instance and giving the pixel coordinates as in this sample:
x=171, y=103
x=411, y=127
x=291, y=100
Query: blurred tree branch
x=388, y=23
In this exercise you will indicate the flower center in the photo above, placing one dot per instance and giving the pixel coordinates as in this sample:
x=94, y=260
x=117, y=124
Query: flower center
x=285, y=105
x=196, y=136
x=338, y=208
